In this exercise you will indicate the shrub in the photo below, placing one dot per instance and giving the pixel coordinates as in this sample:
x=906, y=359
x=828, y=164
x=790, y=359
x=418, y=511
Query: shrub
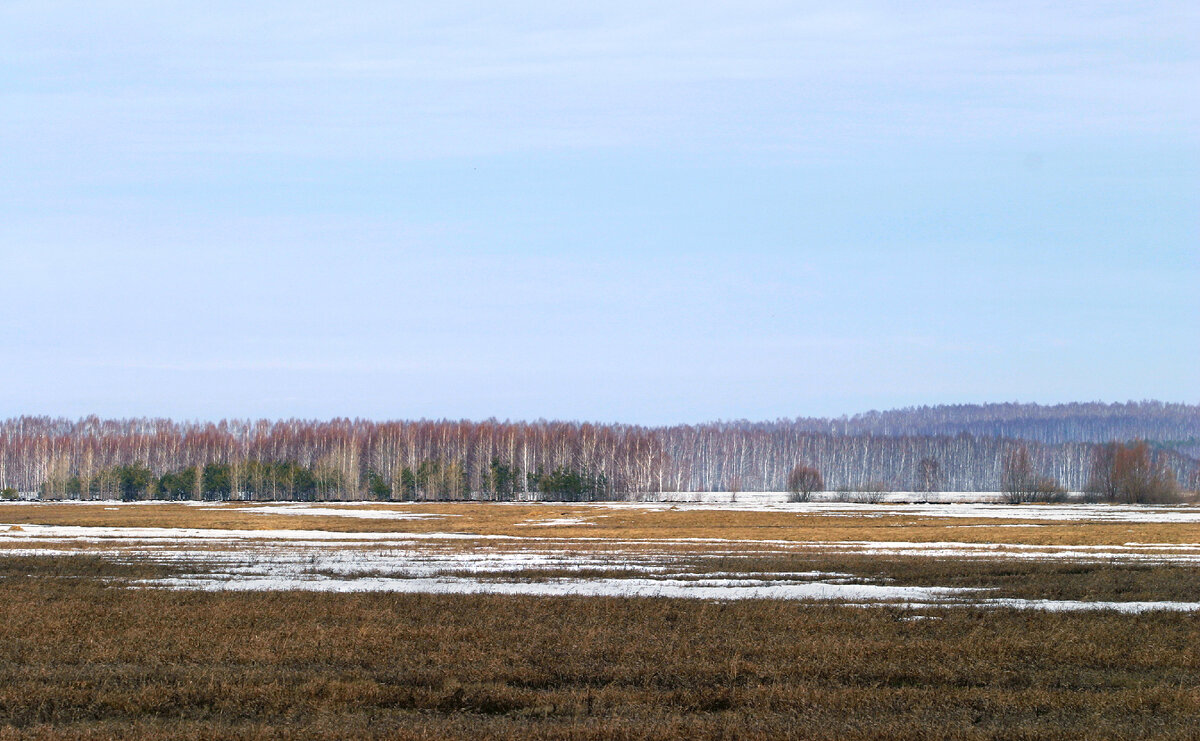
x=803, y=481
x=1130, y=473
x=872, y=492
x=1021, y=485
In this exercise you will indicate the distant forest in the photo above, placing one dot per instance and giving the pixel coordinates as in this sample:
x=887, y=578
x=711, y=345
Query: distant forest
x=951, y=448
x=1170, y=425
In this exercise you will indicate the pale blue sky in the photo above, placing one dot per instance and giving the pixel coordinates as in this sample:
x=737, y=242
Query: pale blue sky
x=645, y=212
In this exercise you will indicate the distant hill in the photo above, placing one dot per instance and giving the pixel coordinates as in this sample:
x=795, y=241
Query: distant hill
x=1174, y=426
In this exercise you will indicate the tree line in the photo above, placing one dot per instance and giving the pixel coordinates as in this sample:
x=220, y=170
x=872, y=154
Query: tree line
x=290, y=481
x=427, y=459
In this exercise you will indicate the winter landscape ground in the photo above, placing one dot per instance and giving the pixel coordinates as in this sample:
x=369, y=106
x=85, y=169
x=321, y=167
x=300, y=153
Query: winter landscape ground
x=752, y=618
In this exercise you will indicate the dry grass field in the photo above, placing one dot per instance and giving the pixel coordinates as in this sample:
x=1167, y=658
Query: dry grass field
x=93, y=646
x=799, y=523
x=80, y=659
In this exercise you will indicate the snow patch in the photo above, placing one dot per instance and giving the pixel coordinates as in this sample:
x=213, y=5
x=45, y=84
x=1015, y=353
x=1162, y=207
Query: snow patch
x=365, y=514
x=715, y=589
x=1066, y=512
x=559, y=522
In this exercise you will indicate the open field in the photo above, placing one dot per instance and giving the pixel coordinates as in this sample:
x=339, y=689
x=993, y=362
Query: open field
x=80, y=658
x=598, y=621
x=1064, y=557
x=1075, y=524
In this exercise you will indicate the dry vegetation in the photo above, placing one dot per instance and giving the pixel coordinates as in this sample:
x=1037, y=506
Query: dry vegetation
x=85, y=655
x=1003, y=578
x=79, y=659
x=622, y=523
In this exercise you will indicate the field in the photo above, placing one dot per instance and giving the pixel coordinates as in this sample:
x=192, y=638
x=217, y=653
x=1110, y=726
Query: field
x=599, y=621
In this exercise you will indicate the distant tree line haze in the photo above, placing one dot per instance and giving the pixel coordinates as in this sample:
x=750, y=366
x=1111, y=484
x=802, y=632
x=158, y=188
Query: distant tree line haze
x=1170, y=425
x=1150, y=453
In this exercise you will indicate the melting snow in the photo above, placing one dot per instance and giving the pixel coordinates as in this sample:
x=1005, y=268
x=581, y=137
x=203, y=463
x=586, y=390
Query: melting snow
x=1070, y=512
x=559, y=522
x=726, y=589
x=432, y=562
x=366, y=514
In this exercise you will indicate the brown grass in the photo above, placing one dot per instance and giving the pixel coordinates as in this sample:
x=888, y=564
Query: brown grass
x=1015, y=578
x=1001, y=578
x=83, y=566
x=621, y=523
x=82, y=660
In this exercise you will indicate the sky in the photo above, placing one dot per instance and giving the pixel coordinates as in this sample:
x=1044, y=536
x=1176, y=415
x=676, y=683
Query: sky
x=645, y=212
